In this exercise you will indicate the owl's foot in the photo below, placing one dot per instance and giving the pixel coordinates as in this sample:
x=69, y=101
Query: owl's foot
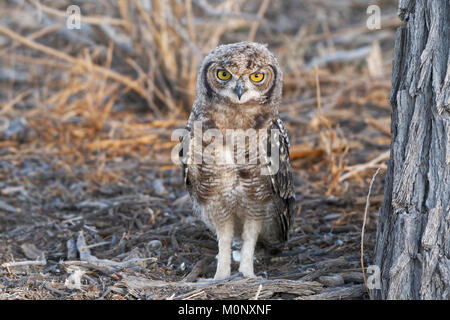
x=250, y=276
x=229, y=278
x=221, y=275
x=247, y=272
x=236, y=276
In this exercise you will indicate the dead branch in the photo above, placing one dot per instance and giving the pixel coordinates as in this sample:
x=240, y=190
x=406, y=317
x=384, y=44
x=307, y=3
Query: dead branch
x=339, y=293
x=230, y=289
x=42, y=262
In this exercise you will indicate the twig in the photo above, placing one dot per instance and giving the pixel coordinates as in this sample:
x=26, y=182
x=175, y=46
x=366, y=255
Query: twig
x=89, y=265
x=34, y=61
x=363, y=228
x=192, y=294
x=98, y=244
x=318, y=97
x=258, y=292
x=361, y=167
x=50, y=288
x=255, y=25
x=180, y=31
x=42, y=262
x=85, y=255
x=34, y=36
x=6, y=207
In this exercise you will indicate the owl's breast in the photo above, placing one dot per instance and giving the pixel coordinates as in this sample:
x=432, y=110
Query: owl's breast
x=229, y=182
x=213, y=177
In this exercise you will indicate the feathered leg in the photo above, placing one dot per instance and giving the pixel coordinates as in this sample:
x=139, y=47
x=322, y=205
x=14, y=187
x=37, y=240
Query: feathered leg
x=250, y=234
x=224, y=235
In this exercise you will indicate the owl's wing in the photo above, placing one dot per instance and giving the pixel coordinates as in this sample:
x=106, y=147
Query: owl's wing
x=186, y=143
x=282, y=182
x=183, y=153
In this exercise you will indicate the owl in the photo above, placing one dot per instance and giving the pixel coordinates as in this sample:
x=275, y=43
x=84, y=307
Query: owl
x=239, y=89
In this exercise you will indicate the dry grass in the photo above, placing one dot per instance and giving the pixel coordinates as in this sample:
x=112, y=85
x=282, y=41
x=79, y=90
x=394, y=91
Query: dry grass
x=151, y=55
x=87, y=114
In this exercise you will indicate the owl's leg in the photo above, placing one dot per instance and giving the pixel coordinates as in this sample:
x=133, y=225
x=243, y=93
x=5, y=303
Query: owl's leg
x=250, y=234
x=224, y=236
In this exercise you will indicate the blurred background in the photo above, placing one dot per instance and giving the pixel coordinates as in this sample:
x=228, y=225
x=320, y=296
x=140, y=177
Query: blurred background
x=86, y=117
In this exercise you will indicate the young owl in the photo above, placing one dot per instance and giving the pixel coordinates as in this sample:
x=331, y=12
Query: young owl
x=238, y=91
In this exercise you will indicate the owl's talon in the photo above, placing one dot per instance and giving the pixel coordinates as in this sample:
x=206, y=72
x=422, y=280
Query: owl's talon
x=236, y=276
x=248, y=275
x=220, y=278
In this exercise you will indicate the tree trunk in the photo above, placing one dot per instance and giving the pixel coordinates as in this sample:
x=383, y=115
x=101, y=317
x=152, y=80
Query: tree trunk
x=413, y=236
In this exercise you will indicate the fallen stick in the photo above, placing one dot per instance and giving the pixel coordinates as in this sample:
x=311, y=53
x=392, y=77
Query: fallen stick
x=234, y=289
x=85, y=255
x=355, y=291
x=6, y=207
x=25, y=263
x=89, y=265
x=57, y=291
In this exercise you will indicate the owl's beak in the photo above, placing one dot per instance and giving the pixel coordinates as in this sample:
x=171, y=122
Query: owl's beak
x=239, y=90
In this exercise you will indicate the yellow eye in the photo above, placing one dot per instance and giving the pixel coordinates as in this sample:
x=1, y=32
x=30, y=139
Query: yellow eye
x=223, y=74
x=257, y=77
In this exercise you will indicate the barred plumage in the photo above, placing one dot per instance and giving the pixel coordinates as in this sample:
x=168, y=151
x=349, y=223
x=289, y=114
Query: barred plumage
x=235, y=198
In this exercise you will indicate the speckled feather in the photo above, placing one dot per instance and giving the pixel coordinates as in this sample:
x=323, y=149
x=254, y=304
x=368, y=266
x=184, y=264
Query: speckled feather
x=239, y=191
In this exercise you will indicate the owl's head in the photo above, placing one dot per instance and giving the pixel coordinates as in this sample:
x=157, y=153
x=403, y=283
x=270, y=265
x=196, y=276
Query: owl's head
x=240, y=73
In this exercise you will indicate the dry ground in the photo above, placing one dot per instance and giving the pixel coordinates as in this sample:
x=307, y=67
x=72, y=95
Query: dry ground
x=91, y=206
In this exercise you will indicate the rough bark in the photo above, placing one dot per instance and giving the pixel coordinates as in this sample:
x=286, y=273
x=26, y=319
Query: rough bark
x=413, y=236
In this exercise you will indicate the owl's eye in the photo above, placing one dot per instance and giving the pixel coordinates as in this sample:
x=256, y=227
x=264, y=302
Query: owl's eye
x=223, y=74
x=257, y=77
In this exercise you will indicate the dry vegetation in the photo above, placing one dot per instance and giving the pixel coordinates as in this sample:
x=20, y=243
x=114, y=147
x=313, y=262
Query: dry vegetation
x=91, y=205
